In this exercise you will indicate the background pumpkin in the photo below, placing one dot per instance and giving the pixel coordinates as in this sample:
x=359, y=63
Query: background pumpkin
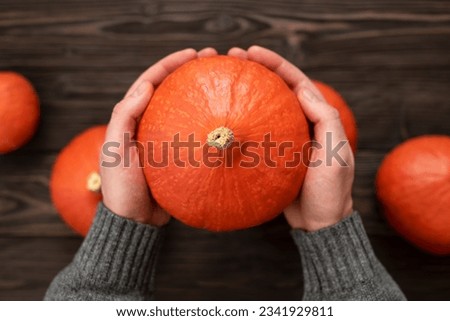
x=75, y=183
x=207, y=94
x=413, y=186
x=345, y=113
x=19, y=111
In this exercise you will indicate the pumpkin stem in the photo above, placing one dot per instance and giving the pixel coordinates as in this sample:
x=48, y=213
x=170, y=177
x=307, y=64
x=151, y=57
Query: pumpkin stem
x=94, y=182
x=220, y=138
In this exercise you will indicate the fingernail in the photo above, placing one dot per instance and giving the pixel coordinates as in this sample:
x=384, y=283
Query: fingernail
x=141, y=89
x=309, y=95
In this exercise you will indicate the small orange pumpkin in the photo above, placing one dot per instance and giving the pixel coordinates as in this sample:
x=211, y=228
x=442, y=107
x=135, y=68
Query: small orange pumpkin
x=222, y=101
x=413, y=186
x=19, y=111
x=75, y=181
x=345, y=113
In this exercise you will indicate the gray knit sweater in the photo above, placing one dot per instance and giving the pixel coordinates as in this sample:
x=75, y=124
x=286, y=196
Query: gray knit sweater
x=118, y=257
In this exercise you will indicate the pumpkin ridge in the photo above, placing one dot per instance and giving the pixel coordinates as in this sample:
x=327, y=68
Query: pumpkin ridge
x=235, y=117
x=254, y=113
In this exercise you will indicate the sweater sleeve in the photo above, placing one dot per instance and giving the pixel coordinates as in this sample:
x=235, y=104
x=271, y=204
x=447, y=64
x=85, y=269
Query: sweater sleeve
x=116, y=261
x=339, y=264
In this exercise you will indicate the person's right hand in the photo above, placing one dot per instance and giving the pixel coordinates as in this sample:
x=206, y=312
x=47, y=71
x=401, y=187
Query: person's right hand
x=325, y=197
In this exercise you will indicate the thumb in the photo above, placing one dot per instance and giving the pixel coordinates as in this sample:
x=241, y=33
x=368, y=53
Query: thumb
x=316, y=108
x=127, y=112
x=324, y=117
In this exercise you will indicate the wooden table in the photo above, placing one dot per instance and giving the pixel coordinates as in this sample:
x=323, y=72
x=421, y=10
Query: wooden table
x=389, y=59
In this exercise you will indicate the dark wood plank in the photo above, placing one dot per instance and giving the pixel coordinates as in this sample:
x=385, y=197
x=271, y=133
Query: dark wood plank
x=29, y=264
x=26, y=210
x=261, y=263
x=376, y=53
x=25, y=206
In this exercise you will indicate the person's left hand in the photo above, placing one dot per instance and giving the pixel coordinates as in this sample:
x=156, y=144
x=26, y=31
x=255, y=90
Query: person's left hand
x=124, y=189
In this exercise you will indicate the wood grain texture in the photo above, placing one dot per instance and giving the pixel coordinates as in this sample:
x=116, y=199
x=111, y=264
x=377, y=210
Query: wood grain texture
x=389, y=59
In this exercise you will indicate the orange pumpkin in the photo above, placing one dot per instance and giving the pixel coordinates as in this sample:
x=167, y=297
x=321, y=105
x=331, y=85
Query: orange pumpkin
x=345, y=113
x=75, y=183
x=223, y=102
x=19, y=111
x=413, y=186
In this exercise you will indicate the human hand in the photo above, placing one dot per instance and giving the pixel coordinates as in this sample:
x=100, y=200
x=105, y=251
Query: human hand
x=325, y=197
x=124, y=189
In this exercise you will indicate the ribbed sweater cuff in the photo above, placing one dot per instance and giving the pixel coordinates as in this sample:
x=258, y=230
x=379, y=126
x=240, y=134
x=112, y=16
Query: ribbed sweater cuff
x=337, y=257
x=119, y=252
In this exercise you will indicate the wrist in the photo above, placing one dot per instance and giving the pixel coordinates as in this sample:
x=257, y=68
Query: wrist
x=316, y=225
x=149, y=215
x=315, y=222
